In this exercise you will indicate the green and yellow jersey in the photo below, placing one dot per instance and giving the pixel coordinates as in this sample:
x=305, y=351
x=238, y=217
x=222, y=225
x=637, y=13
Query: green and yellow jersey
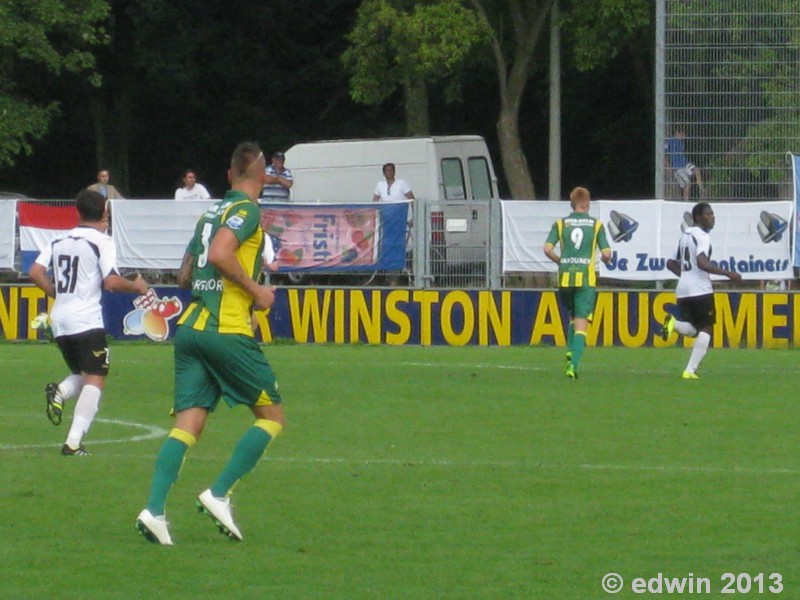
x=218, y=304
x=579, y=236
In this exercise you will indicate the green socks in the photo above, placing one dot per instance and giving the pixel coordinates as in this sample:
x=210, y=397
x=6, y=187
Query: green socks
x=168, y=466
x=578, y=346
x=246, y=455
x=172, y=454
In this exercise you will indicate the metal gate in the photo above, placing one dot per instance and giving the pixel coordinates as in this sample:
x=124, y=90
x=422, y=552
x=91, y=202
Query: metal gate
x=454, y=243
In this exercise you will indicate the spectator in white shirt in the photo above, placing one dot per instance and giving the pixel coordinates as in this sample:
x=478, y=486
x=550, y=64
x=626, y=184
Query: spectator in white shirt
x=391, y=188
x=191, y=190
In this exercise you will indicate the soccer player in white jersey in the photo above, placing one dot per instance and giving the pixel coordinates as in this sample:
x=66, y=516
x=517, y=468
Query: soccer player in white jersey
x=82, y=263
x=692, y=264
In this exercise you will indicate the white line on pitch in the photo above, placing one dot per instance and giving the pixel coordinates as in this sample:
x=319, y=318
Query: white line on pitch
x=444, y=462
x=151, y=432
x=523, y=465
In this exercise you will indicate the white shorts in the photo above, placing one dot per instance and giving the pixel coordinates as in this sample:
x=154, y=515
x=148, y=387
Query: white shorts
x=684, y=175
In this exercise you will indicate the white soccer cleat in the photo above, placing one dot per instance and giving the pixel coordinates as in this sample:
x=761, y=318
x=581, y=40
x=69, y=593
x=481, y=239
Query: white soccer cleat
x=219, y=509
x=154, y=529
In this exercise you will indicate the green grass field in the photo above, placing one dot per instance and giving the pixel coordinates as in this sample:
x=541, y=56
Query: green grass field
x=410, y=472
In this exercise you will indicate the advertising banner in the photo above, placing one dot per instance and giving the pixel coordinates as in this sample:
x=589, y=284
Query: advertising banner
x=337, y=237
x=751, y=238
x=153, y=234
x=397, y=316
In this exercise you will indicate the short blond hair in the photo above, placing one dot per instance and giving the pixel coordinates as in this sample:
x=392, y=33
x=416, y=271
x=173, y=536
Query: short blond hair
x=580, y=195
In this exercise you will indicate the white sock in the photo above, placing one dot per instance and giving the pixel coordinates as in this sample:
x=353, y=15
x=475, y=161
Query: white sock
x=699, y=351
x=70, y=387
x=85, y=410
x=685, y=328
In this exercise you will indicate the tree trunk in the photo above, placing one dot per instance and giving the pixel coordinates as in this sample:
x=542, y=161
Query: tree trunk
x=122, y=139
x=97, y=116
x=513, y=71
x=110, y=106
x=416, y=108
x=515, y=165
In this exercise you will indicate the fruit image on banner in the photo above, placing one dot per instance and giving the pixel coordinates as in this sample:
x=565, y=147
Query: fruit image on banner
x=336, y=237
x=151, y=316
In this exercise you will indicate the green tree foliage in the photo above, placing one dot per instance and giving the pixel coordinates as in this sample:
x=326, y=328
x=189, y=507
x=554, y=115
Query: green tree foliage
x=389, y=47
x=183, y=82
x=407, y=46
x=51, y=36
x=761, y=70
x=599, y=30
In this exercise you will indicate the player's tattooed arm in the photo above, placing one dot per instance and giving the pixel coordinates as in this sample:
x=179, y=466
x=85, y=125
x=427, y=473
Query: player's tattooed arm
x=185, y=272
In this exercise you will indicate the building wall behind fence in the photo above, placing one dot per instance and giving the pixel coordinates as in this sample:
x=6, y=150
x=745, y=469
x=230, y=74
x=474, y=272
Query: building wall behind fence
x=438, y=317
x=727, y=71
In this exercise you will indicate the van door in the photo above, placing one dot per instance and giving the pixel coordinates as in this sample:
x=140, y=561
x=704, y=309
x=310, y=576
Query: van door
x=459, y=224
x=479, y=186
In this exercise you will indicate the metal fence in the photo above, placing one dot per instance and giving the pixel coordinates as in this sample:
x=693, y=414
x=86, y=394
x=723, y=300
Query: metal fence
x=728, y=77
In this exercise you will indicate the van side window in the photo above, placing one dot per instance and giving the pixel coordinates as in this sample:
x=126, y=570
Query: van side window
x=453, y=179
x=479, y=179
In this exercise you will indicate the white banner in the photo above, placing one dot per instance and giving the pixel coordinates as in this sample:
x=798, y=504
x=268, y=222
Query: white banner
x=153, y=234
x=526, y=224
x=751, y=238
x=8, y=234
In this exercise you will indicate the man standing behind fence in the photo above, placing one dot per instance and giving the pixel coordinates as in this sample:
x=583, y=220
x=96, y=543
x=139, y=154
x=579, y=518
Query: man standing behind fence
x=103, y=187
x=677, y=163
x=578, y=235
x=278, y=180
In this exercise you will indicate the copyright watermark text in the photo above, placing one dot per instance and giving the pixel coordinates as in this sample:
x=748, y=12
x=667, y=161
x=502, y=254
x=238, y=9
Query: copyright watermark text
x=727, y=583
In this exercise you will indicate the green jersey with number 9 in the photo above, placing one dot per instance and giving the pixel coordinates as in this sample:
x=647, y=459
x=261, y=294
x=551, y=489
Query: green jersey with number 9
x=217, y=303
x=580, y=236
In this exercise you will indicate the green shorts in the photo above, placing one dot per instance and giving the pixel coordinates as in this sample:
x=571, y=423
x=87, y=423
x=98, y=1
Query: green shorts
x=210, y=365
x=579, y=301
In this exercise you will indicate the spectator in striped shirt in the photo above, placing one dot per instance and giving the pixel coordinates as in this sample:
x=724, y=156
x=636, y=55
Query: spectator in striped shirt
x=278, y=180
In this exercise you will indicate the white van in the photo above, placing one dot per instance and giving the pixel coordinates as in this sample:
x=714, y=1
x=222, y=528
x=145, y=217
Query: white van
x=454, y=167
x=452, y=178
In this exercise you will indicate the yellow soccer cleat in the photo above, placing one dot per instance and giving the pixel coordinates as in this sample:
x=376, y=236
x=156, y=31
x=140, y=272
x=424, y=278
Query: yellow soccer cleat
x=571, y=372
x=55, y=405
x=689, y=375
x=668, y=327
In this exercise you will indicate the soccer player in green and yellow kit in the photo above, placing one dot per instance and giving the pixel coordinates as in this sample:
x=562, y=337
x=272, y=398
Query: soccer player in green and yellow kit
x=579, y=236
x=216, y=355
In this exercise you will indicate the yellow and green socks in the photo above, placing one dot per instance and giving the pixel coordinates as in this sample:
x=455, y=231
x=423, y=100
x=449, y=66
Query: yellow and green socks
x=168, y=467
x=246, y=455
x=578, y=346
